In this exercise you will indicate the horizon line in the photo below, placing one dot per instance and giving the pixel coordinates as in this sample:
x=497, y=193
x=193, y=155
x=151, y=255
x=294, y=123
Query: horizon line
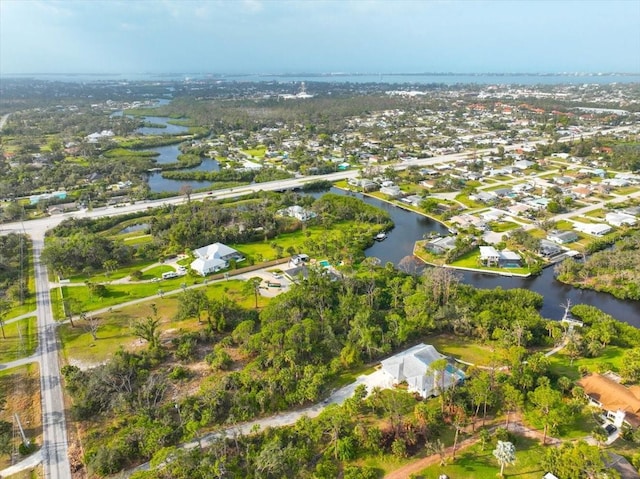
x=325, y=74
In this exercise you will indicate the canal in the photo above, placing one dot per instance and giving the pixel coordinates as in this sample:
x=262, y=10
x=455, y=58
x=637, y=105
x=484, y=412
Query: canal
x=410, y=227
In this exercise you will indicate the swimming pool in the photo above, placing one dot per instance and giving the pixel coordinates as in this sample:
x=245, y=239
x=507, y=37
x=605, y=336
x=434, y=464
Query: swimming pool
x=324, y=263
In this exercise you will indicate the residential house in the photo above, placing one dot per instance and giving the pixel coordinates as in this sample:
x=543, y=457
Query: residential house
x=523, y=164
x=563, y=180
x=61, y=208
x=391, y=191
x=441, y=245
x=413, y=366
x=620, y=403
x=562, y=237
x=299, y=259
x=549, y=248
x=620, y=219
x=631, y=210
x=413, y=200
x=489, y=256
x=213, y=258
x=581, y=191
x=594, y=229
x=482, y=196
x=297, y=212
x=465, y=221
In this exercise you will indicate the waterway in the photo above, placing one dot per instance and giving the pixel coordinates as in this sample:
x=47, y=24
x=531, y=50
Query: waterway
x=384, y=77
x=410, y=227
x=169, y=154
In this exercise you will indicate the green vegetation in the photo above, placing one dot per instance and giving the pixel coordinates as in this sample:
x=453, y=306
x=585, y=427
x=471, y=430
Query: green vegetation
x=478, y=462
x=613, y=271
x=16, y=276
x=20, y=341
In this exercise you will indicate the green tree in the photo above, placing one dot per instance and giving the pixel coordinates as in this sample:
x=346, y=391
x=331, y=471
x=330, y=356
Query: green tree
x=548, y=408
x=252, y=287
x=191, y=303
x=148, y=328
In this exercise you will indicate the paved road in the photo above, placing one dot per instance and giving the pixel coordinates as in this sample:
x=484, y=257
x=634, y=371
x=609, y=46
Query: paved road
x=375, y=379
x=54, y=431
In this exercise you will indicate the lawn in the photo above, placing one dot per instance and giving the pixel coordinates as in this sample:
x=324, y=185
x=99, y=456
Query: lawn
x=610, y=359
x=256, y=152
x=462, y=348
x=465, y=200
x=104, y=277
x=138, y=240
x=502, y=226
x=123, y=293
x=265, y=252
x=475, y=463
x=471, y=260
x=21, y=340
x=115, y=329
x=156, y=272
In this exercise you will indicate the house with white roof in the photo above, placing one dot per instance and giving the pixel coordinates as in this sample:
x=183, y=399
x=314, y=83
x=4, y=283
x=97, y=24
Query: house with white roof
x=594, y=229
x=413, y=366
x=297, y=212
x=213, y=258
x=490, y=256
x=620, y=219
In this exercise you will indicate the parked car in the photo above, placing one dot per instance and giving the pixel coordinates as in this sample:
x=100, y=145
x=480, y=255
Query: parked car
x=609, y=429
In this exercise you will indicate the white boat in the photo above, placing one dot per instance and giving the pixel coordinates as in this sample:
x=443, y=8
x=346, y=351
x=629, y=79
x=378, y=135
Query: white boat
x=381, y=236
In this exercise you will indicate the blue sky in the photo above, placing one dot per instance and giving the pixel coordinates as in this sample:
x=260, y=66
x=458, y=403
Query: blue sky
x=271, y=36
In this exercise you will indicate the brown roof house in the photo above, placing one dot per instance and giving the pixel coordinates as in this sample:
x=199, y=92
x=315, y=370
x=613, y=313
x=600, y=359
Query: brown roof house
x=621, y=403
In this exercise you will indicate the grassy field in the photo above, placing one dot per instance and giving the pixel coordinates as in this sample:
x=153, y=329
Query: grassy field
x=256, y=152
x=469, y=203
x=23, y=397
x=471, y=260
x=610, y=359
x=263, y=250
x=115, y=329
x=462, y=348
x=123, y=293
x=475, y=463
x=21, y=340
x=104, y=278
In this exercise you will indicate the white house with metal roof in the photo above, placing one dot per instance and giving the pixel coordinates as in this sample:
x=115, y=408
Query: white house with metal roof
x=413, y=367
x=213, y=258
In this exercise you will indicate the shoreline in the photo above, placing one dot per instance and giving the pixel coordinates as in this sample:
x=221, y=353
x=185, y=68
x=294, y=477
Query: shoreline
x=460, y=268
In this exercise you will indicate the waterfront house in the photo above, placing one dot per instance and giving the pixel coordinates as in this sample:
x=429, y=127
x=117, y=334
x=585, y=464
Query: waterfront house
x=549, y=249
x=413, y=366
x=213, y=258
x=489, y=256
x=392, y=191
x=441, y=245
